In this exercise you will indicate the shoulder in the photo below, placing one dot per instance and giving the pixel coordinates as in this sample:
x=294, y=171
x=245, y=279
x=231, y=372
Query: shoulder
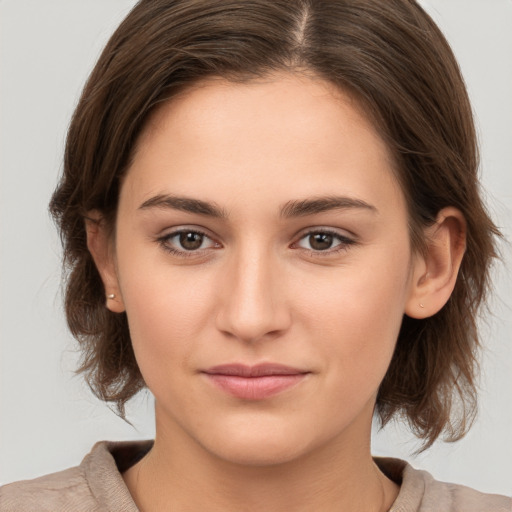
x=420, y=492
x=96, y=484
x=459, y=497
x=65, y=490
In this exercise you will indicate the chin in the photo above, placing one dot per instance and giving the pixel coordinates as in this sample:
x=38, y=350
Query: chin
x=257, y=444
x=258, y=452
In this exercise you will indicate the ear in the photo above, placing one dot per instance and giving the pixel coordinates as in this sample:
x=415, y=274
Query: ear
x=101, y=247
x=434, y=274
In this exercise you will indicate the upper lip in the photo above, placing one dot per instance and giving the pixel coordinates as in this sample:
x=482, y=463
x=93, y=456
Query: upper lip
x=259, y=370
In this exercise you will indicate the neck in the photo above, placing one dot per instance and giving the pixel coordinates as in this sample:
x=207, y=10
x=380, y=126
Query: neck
x=178, y=474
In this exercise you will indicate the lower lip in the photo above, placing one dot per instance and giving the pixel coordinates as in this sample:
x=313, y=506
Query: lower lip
x=255, y=388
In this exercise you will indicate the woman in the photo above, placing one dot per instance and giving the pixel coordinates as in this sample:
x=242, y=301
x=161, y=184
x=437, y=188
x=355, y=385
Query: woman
x=271, y=219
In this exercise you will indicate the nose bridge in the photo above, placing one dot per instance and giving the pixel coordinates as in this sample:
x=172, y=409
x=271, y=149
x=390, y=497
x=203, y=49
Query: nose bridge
x=252, y=303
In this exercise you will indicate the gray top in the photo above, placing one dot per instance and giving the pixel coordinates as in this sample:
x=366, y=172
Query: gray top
x=97, y=485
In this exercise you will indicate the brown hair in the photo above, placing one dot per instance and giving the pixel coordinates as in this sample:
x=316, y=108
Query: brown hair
x=395, y=60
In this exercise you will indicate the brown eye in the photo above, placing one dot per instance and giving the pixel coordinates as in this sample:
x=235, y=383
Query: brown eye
x=328, y=242
x=186, y=242
x=190, y=241
x=320, y=241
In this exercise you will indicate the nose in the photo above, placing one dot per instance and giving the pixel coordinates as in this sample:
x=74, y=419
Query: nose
x=252, y=298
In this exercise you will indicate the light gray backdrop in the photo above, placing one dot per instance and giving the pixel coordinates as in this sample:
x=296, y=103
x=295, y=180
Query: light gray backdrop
x=49, y=420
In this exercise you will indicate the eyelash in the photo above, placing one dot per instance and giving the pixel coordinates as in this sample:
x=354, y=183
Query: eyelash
x=345, y=242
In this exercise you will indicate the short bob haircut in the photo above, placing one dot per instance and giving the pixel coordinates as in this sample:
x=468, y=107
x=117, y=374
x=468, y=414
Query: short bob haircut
x=392, y=58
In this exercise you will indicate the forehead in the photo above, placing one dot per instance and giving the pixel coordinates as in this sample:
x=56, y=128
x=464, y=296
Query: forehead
x=282, y=132
x=214, y=103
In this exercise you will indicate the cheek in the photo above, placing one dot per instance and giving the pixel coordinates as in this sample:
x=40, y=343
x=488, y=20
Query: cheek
x=166, y=310
x=346, y=316
x=357, y=316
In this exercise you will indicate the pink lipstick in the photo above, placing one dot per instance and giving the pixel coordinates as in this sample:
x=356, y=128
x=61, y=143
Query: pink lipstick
x=254, y=382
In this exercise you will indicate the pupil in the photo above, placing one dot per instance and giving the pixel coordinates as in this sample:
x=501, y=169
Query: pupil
x=321, y=241
x=191, y=241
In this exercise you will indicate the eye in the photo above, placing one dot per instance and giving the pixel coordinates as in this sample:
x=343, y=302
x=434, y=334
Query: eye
x=191, y=242
x=326, y=241
x=186, y=242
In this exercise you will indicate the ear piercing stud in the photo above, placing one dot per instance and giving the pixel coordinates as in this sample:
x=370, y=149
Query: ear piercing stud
x=111, y=296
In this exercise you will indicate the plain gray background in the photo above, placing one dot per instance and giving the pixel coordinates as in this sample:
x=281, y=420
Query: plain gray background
x=49, y=420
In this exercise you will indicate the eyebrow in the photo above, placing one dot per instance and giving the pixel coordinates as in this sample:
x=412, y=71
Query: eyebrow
x=185, y=204
x=291, y=209
x=302, y=208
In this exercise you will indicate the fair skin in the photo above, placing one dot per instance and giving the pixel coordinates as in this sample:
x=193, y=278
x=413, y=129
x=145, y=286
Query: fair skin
x=321, y=291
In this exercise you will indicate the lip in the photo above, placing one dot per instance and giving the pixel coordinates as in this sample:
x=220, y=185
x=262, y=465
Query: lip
x=256, y=382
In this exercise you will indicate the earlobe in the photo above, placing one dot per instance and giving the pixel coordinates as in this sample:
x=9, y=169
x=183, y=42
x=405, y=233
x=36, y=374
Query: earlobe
x=435, y=273
x=100, y=245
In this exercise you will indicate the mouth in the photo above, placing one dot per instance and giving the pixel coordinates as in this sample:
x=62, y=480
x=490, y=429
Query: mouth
x=254, y=382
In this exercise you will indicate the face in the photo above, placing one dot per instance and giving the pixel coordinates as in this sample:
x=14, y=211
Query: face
x=262, y=256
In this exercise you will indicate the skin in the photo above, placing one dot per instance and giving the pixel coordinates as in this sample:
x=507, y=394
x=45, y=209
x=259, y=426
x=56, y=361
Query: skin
x=261, y=289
